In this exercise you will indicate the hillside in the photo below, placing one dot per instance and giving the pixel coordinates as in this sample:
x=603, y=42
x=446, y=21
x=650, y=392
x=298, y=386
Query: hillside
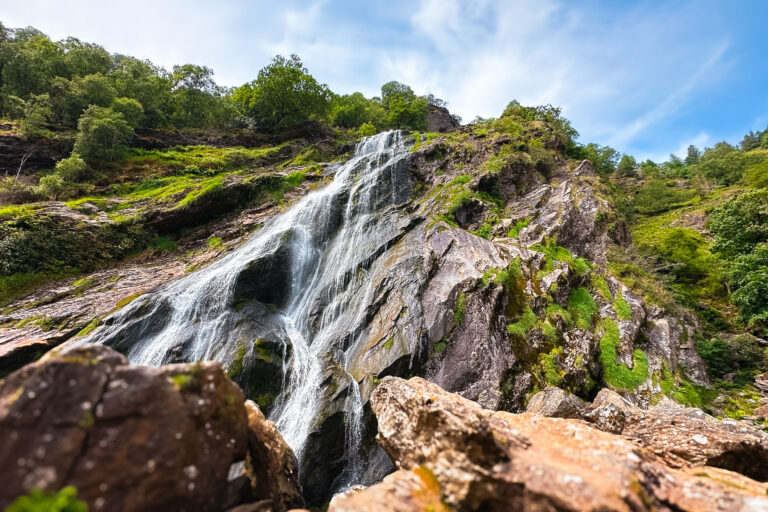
x=216, y=270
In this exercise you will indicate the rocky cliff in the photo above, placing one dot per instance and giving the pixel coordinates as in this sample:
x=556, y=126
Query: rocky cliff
x=486, y=275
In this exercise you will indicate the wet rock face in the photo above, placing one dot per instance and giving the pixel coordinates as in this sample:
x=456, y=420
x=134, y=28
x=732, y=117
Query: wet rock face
x=38, y=152
x=484, y=460
x=134, y=438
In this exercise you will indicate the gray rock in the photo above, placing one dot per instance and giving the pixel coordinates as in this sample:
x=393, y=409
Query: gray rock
x=556, y=403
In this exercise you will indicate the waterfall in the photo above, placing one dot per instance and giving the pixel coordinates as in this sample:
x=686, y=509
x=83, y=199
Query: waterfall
x=312, y=260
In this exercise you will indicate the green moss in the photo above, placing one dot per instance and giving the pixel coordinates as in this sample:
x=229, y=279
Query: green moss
x=64, y=500
x=522, y=326
x=182, y=380
x=623, y=311
x=552, y=373
x=616, y=375
x=236, y=368
x=165, y=243
x=555, y=311
x=124, y=302
x=557, y=253
x=214, y=243
x=88, y=329
x=582, y=308
x=389, y=343
x=459, y=308
x=599, y=283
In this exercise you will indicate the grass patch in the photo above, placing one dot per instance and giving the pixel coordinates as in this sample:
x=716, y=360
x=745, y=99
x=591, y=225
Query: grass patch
x=616, y=375
x=557, y=253
x=623, y=311
x=214, y=242
x=514, y=231
x=582, y=308
x=522, y=326
x=459, y=308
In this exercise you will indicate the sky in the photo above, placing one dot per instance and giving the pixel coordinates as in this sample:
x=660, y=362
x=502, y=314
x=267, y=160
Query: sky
x=646, y=77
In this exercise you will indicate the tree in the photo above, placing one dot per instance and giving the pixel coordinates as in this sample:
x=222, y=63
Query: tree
x=283, y=95
x=627, y=166
x=132, y=111
x=396, y=91
x=102, y=133
x=693, y=155
x=604, y=158
x=37, y=114
x=740, y=223
x=353, y=110
x=72, y=97
x=83, y=59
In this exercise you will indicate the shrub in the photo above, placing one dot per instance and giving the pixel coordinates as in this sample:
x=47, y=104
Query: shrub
x=72, y=169
x=131, y=110
x=658, y=196
x=52, y=187
x=366, y=130
x=741, y=354
x=523, y=325
x=102, y=134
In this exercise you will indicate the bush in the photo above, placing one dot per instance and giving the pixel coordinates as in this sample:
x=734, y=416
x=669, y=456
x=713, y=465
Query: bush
x=741, y=354
x=658, y=196
x=102, y=134
x=72, y=169
x=366, y=130
x=52, y=187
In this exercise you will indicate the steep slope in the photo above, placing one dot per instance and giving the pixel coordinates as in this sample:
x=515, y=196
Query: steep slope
x=481, y=267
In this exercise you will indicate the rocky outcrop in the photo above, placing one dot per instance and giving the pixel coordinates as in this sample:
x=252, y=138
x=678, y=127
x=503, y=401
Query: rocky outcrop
x=439, y=119
x=36, y=152
x=138, y=438
x=485, y=460
x=682, y=436
x=553, y=402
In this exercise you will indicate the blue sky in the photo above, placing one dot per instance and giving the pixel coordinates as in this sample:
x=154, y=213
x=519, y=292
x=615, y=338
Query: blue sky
x=648, y=78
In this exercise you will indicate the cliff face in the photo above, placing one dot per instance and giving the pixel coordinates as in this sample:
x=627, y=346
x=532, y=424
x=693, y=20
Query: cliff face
x=488, y=278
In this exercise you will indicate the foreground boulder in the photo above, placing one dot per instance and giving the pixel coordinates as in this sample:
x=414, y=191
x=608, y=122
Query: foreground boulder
x=136, y=438
x=485, y=460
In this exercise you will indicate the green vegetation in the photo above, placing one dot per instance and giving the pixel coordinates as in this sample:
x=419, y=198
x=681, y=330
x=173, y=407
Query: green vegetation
x=459, y=308
x=522, y=326
x=64, y=500
x=554, y=252
x=616, y=375
x=582, y=308
x=623, y=311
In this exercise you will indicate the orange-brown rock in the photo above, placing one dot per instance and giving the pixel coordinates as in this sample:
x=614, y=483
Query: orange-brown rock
x=134, y=438
x=486, y=460
x=402, y=491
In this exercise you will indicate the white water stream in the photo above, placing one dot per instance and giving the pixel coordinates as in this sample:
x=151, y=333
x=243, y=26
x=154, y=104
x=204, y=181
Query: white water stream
x=333, y=233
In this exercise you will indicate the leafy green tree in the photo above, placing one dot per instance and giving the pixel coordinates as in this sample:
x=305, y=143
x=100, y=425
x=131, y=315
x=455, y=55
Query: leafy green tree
x=603, y=158
x=52, y=187
x=196, y=100
x=724, y=164
x=132, y=111
x=32, y=65
x=650, y=169
x=749, y=279
x=102, y=134
x=82, y=59
x=692, y=155
x=354, y=110
x=283, y=95
x=627, y=166
x=659, y=195
x=413, y=114
x=37, y=114
x=72, y=97
x=675, y=167
x=740, y=223
x=147, y=84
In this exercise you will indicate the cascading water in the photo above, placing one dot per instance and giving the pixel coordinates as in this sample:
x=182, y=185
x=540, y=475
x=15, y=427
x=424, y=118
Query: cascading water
x=313, y=259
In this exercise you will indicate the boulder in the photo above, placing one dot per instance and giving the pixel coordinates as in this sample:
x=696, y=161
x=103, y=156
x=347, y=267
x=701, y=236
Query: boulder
x=272, y=465
x=556, y=403
x=439, y=119
x=486, y=460
x=136, y=438
x=402, y=491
